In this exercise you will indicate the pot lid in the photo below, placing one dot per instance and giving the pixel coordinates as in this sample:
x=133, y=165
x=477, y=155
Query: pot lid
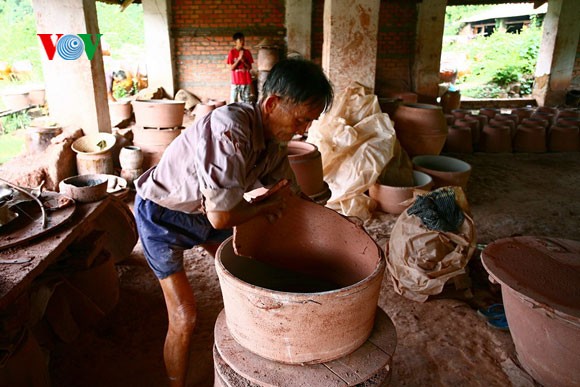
x=544, y=269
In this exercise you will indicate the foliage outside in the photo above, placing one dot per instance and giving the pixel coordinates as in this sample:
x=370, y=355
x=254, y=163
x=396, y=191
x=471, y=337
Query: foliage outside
x=501, y=65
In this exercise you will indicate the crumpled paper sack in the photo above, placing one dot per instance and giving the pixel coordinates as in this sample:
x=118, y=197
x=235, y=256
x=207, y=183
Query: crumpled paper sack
x=420, y=261
x=356, y=141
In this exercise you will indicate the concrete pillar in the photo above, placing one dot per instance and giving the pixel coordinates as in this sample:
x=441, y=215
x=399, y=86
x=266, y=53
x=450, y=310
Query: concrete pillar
x=158, y=45
x=299, y=26
x=555, y=66
x=430, y=26
x=349, y=51
x=75, y=89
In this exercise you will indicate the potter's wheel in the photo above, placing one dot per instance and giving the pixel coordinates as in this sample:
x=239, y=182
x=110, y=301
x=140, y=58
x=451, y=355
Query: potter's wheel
x=25, y=223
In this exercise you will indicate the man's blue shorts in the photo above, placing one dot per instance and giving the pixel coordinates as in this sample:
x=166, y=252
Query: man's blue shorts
x=166, y=233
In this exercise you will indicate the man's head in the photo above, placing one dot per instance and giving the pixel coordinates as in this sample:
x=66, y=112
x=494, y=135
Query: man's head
x=239, y=40
x=294, y=94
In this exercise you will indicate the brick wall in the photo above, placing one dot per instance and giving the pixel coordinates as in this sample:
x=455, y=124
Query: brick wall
x=202, y=32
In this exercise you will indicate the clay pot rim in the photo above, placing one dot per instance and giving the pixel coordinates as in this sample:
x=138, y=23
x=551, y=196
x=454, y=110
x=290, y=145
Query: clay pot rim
x=306, y=150
x=253, y=289
x=434, y=162
x=93, y=139
x=421, y=105
x=158, y=102
x=417, y=175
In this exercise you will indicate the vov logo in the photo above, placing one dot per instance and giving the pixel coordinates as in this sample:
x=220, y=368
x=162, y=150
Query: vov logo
x=70, y=47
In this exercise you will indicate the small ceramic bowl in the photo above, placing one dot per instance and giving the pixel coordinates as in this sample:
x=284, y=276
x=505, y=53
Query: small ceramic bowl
x=85, y=188
x=390, y=198
x=445, y=170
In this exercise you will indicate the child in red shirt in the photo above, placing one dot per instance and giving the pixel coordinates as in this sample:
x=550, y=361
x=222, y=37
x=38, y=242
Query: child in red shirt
x=240, y=62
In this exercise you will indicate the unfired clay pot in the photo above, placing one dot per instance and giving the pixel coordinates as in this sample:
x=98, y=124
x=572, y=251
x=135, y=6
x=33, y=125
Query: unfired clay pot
x=131, y=157
x=421, y=128
x=445, y=170
x=306, y=163
x=459, y=140
x=563, y=138
x=529, y=139
x=85, y=188
x=153, y=143
x=390, y=199
x=159, y=113
x=541, y=296
x=495, y=139
x=489, y=112
x=309, y=293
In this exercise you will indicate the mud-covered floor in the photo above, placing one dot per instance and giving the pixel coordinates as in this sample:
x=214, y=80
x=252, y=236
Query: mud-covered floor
x=442, y=342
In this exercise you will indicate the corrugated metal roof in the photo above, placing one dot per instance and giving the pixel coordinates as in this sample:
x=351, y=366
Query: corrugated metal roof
x=501, y=11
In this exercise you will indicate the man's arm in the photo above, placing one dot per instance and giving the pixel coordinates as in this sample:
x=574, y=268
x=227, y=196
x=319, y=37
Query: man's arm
x=244, y=211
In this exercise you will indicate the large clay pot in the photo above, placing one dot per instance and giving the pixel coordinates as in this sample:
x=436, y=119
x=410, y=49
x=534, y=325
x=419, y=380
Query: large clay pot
x=421, y=128
x=39, y=134
x=495, y=139
x=94, y=153
x=153, y=143
x=445, y=171
x=16, y=100
x=563, y=138
x=541, y=296
x=37, y=97
x=159, y=113
x=306, y=163
x=459, y=140
x=451, y=100
x=119, y=111
x=390, y=198
x=309, y=293
x=529, y=139
x=202, y=109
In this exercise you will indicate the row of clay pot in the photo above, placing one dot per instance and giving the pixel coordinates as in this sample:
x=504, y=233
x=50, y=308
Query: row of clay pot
x=521, y=130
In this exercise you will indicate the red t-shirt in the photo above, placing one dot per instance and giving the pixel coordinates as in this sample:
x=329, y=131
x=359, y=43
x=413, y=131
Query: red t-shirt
x=241, y=74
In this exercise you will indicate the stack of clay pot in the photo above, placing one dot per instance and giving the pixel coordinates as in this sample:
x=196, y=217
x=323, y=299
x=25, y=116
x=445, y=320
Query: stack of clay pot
x=268, y=56
x=131, y=160
x=158, y=123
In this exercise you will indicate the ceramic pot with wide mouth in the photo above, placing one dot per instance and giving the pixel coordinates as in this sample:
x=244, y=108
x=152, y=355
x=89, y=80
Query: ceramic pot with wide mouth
x=445, y=170
x=392, y=199
x=421, y=128
x=158, y=113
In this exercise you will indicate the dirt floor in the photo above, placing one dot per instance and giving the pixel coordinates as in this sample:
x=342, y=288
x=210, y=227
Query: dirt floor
x=442, y=342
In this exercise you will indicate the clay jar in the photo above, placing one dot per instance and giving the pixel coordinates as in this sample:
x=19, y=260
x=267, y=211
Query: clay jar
x=489, y=112
x=306, y=163
x=459, y=140
x=563, y=138
x=445, y=171
x=421, y=128
x=131, y=157
x=158, y=113
x=529, y=139
x=496, y=139
x=153, y=143
x=450, y=101
x=119, y=111
x=473, y=123
x=202, y=109
x=391, y=198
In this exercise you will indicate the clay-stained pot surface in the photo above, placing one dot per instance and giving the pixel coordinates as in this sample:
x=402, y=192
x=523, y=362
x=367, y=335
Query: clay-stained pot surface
x=541, y=296
x=159, y=113
x=421, y=128
x=445, y=170
x=306, y=163
x=390, y=198
x=310, y=291
x=85, y=188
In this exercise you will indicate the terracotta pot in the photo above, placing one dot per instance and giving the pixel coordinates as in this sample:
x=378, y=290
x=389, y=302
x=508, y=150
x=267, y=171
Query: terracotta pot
x=564, y=139
x=529, y=139
x=489, y=112
x=524, y=112
x=39, y=136
x=550, y=117
x=573, y=113
x=16, y=100
x=450, y=119
x=507, y=117
x=459, y=113
x=483, y=120
x=131, y=157
x=131, y=175
x=37, y=97
x=569, y=121
x=153, y=143
x=159, y=113
x=504, y=122
x=314, y=269
x=495, y=139
x=536, y=121
x=542, y=303
x=267, y=58
x=85, y=188
x=120, y=111
x=472, y=123
x=445, y=171
x=389, y=105
x=306, y=163
x=547, y=110
x=421, y=128
x=450, y=101
x=390, y=198
x=459, y=140
x=202, y=109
